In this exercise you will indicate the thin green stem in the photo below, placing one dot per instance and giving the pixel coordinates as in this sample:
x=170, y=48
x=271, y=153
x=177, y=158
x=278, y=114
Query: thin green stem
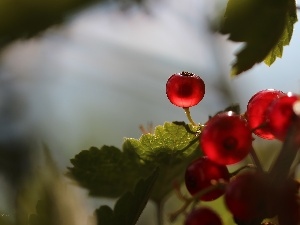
x=188, y=115
x=256, y=159
x=196, y=198
x=248, y=166
x=159, y=212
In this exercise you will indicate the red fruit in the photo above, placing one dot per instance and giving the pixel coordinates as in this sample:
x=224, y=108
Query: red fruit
x=256, y=112
x=200, y=173
x=280, y=114
x=203, y=216
x=244, y=196
x=185, y=89
x=226, y=138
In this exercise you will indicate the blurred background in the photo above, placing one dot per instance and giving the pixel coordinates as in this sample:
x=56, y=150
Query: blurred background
x=96, y=78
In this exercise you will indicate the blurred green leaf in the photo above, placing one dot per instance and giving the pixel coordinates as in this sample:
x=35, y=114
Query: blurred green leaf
x=108, y=171
x=171, y=148
x=105, y=215
x=43, y=215
x=260, y=24
x=26, y=18
x=130, y=206
x=46, y=199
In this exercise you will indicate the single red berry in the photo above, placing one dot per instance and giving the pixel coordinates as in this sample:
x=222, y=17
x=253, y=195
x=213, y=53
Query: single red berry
x=256, y=112
x=185, y=89
x=203, y=216
x=200, y=173
x=244, y=196
x=226, y=139
x=280, y=114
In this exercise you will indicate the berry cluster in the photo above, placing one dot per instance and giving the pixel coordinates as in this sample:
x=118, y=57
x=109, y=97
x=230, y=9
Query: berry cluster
x=251, y=195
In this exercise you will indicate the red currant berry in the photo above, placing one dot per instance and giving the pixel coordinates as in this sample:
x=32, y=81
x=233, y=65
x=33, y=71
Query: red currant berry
x=185, y=89
x=244, y=196
x=256, y=112
x=226, y=139
x=199, y=175
x=203, y=216
x=280, y=115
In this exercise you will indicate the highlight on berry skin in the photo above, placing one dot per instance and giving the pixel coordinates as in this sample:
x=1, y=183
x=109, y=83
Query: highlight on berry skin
x=256, y=113
x=280, y=115
x=185, y=89
x=226, y=139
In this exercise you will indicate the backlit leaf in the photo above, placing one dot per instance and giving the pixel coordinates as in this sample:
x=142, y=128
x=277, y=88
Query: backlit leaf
x=171, y=148
x=108, y=171
x=262, y=26
x=291, y=19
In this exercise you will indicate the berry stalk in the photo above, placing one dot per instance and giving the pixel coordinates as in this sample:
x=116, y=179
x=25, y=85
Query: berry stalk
x=159, y=212
x=256, y=159
x=279, y=172
x=196, y=197
x=188, y=115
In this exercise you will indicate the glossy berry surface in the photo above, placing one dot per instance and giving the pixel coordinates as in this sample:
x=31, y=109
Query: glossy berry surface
x=226, y=139
x=185, y=89
x=280, y=115
x=203, y=216
x=199, y=175
x=244, y=196
x=256, y=112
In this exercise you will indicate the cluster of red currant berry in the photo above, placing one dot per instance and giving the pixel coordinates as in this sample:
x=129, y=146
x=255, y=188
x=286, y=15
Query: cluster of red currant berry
x=251, y=195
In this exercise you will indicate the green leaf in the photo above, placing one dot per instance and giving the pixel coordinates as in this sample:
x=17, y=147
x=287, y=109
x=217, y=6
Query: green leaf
x=108, y=172
x=26, y=18
x=261, y=25
x=291, y=19
x=105, y=215
x=55, y=203
x=130, y=206
x=171, y=148
x=43, y=214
